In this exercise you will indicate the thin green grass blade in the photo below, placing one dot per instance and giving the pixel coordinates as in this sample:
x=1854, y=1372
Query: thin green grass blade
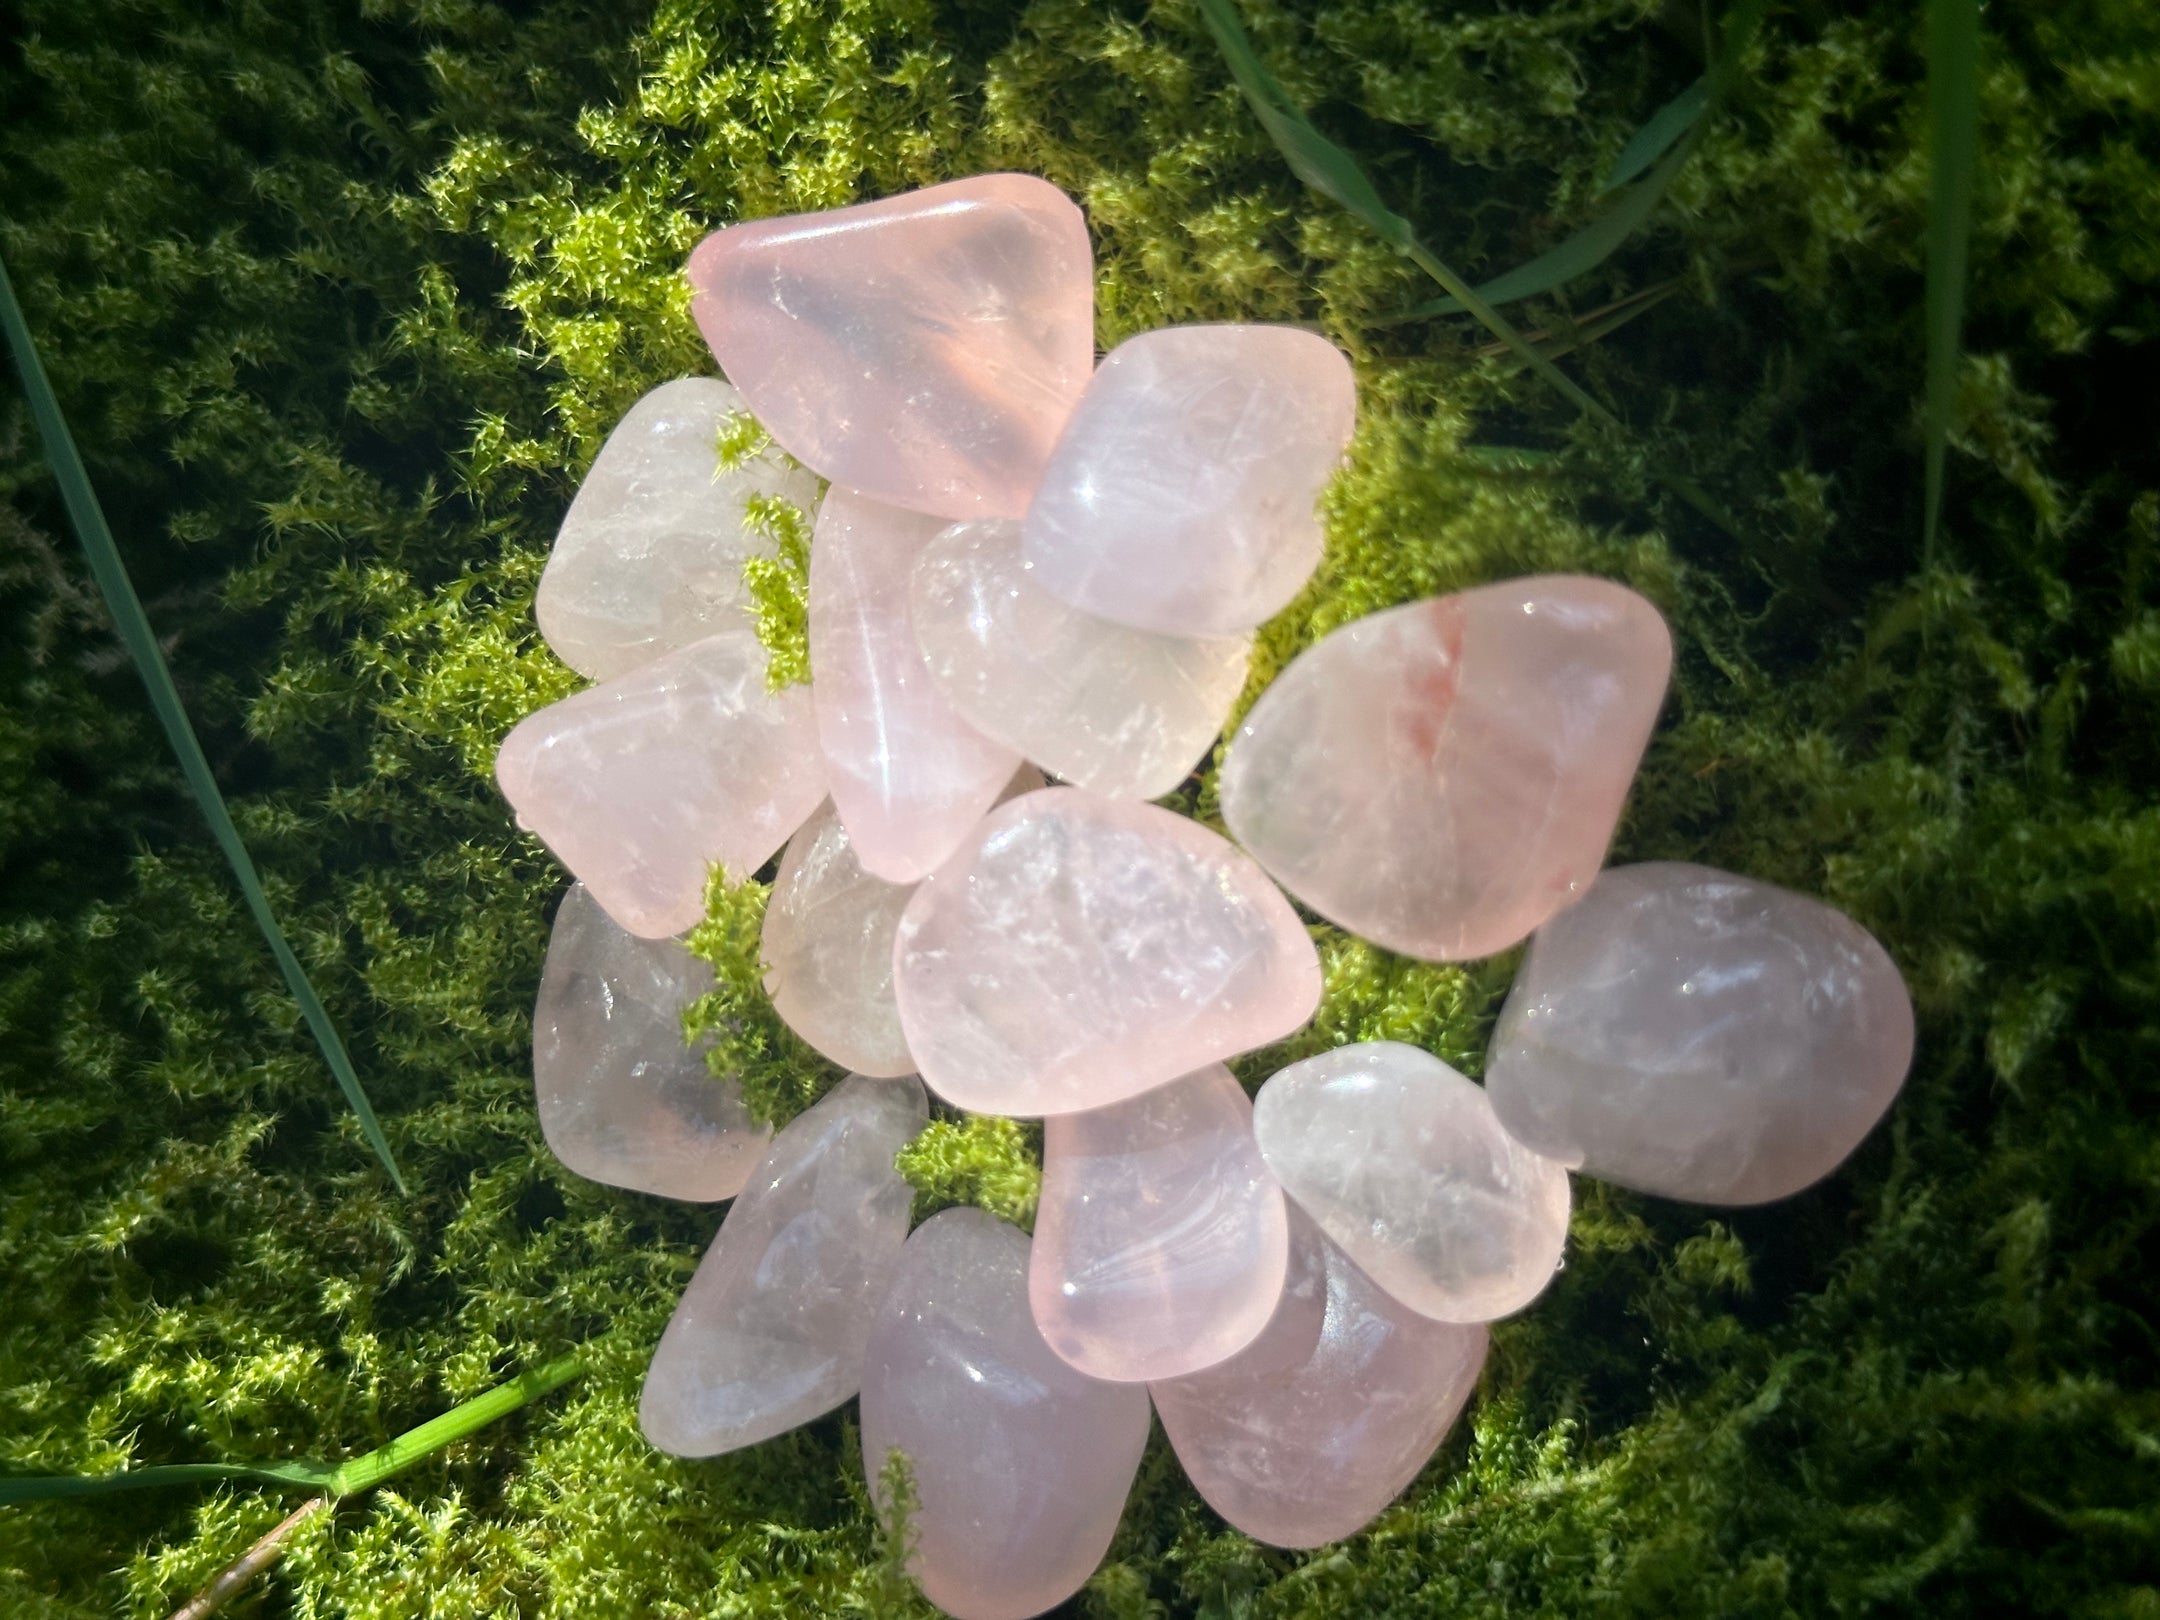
x=54, y=1487
x=141, y=642
x=1953, y=52
x=1665, y=126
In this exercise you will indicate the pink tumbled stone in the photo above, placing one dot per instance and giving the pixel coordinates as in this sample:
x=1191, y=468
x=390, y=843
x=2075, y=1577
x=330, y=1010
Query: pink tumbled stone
x=925, y=349
x=1182, y=496
x=1020, y=1464
x=1444, y=776
x=1079, y=950
x=640, y=783
x=908, y=775
x=1305, y=1436
x=1161, y=1238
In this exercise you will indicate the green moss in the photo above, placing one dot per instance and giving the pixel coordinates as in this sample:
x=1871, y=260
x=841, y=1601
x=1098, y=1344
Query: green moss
x=780, y=589
x=995, y=1164
x=744, y=1039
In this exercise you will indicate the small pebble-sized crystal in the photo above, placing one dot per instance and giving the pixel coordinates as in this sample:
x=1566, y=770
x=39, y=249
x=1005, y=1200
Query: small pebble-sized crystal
x=908, y=775
x=640, y=783
x=1442, y=777
x=1020, y=1464
x=770, y=1332
x=1306, y=1435
x=650, y=555
x=1687, y=1032
x=1161, y=1238
x=622, y=1098
x=923, y=349
x=1115, y=710
x=1182, y=497
x=1404, y=1166
x=1079, y=950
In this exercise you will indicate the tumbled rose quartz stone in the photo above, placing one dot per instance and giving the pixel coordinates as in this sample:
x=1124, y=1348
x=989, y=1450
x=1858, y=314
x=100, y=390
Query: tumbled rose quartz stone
x=1079, y=950
x=1442, y=777
x=640, y=783
x=1118, y=711
x=1687, y=1032
x=1404, y=1166
x=650, y=555
x=1020, y=1464
x=925, y=349
x=770, y=1332
x=1306, y=1435
x=1160, y=1239
x=908, y=775
x=1182, y=496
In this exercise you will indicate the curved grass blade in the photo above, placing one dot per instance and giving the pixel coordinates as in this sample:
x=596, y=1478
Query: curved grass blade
x=1665, y=126
x=141, y=642
x=1953, y=52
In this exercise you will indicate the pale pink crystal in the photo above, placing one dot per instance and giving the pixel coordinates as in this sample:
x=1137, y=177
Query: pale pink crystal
x=1402, y=1163
x=1079, y=950
x=1161, y=1238
x=1700, y=1035
x=1444, y=776
x=1117, y=711
x=640, y=783
x=650, y=555
x=908, y=775
x=924, y=349
x=771, y=1331
x=1182, y=495
x=1020, y=1464
x=1305, y=1436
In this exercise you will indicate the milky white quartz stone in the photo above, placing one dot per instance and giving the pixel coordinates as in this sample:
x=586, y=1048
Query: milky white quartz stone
x=650, y=555
x=1118, y=711
x=1079, y=950
x=908, y=775
x=639, y=783
x=1183, y=495
x=923, y=349
x=770, y=1332
x=1687, y=1032
x=1402, y=1163
x=1307, y=1434
x=1020, y=1463
x=1442, y=777
x=1160, y=1239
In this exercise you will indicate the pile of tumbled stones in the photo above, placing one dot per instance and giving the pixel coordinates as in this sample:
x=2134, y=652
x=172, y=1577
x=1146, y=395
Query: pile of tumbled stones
x=1026, y=561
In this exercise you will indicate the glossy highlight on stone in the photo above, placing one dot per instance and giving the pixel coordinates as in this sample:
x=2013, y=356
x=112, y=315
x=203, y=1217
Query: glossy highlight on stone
x=1403, y=1165
x=771, y=1331
x=1020, y=1464
x=1182, y=496
x=1118, y=711
x=1442, y=777
x=1687, y=1032
x=924, y=349
x=1161, y=1238
x=1079, y=950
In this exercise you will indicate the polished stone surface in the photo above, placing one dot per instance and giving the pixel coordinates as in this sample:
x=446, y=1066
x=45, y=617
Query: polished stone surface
x=1442, y=777
x=1183, y=495
x=772, y=1329
x=1020, y=1464
x=1404, y=1166
x=1687, y=1032
x=924, y=349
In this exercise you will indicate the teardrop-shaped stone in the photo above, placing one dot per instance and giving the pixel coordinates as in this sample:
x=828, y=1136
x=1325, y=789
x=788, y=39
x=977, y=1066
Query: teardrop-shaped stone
x=1183, y=495
x=1687, y=1032
x=1118, y=711
x=770, y=1332
x=1079, y=950
x=640, y=783
x=924, y=349
x=1444, y=776
x=650, y=555
x=1160, y=1238
x=1402, y=1163
x=908, y=775
x=1020, y=1464
x=1309, y=1433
